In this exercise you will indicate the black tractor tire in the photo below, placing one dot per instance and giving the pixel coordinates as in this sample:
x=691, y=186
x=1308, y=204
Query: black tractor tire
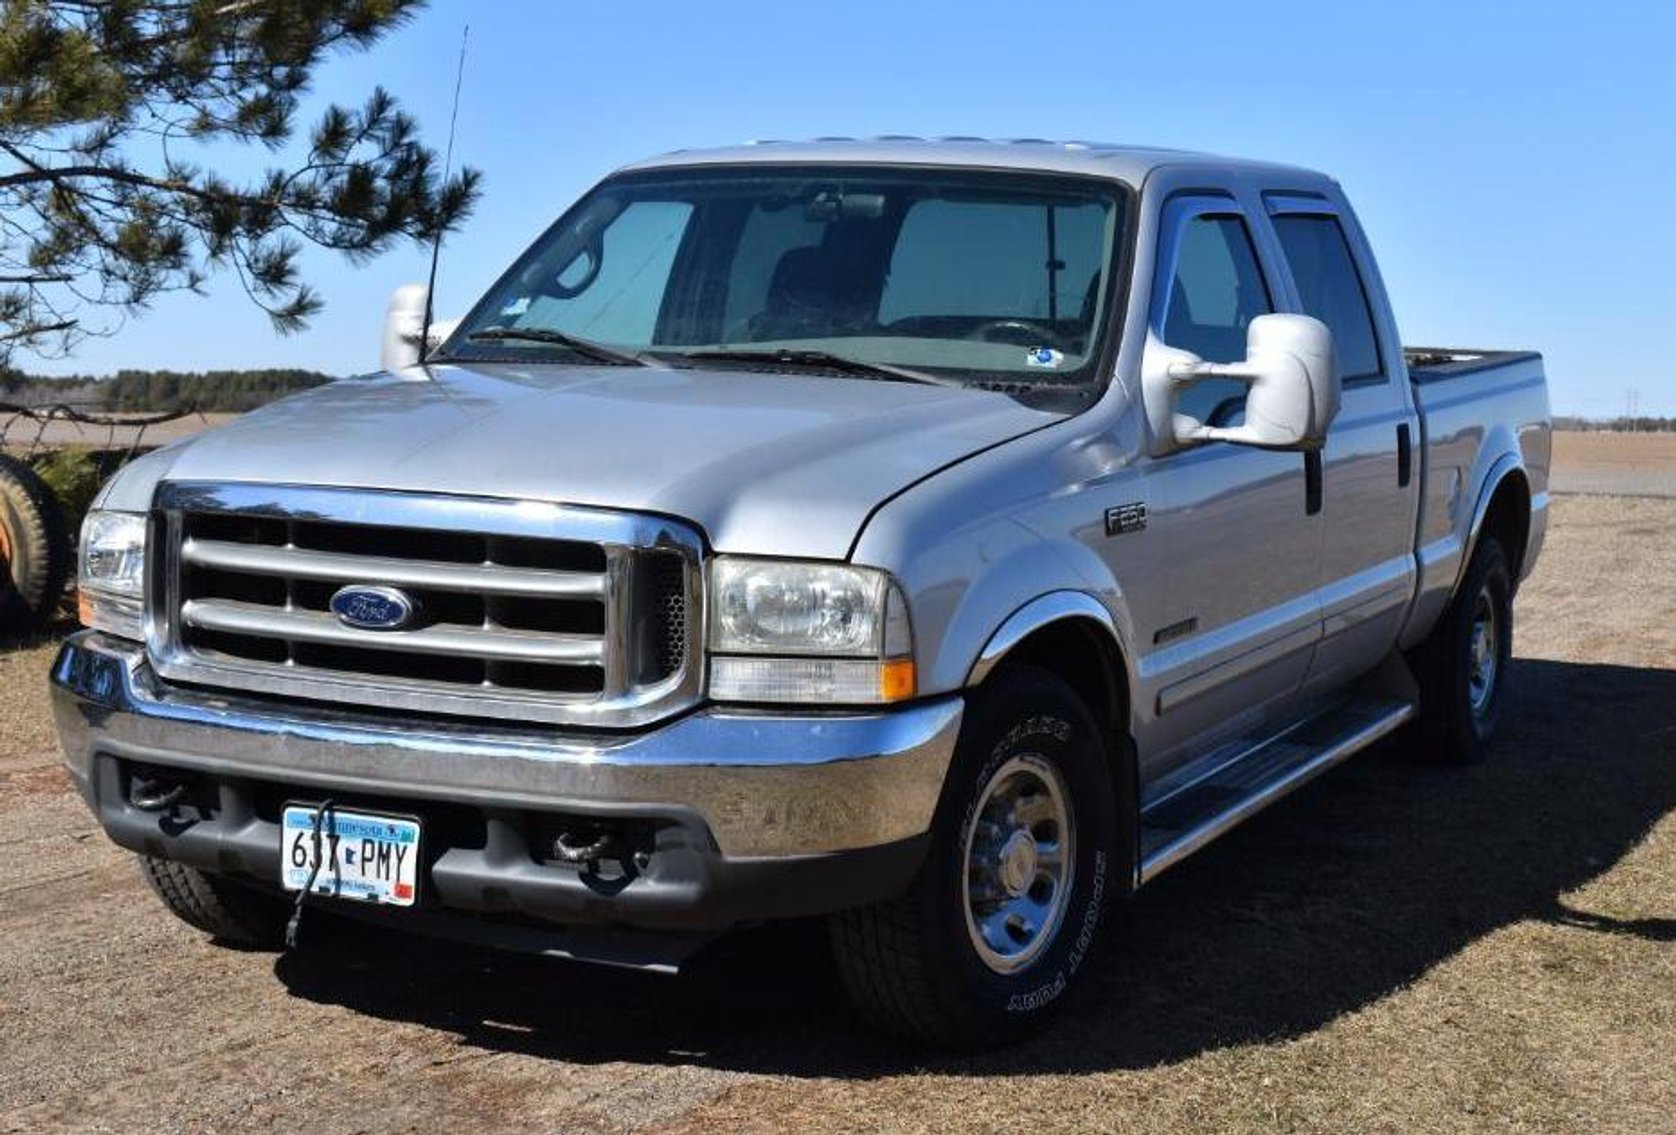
x=1462, y=667
x=35, y=548
x=229, y=911
x=915, y=966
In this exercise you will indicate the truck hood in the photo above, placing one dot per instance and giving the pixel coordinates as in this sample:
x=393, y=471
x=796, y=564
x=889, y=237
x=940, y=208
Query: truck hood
x=791, y=464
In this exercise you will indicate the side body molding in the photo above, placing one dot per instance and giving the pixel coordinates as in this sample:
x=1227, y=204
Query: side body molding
x=1054, y=607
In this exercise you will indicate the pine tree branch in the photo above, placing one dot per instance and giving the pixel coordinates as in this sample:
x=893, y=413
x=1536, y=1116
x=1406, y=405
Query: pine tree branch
x=37, y=329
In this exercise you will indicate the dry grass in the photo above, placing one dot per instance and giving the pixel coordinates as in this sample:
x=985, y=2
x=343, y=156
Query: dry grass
x=1395, y=949
x=1632, y=464
x=22, y=435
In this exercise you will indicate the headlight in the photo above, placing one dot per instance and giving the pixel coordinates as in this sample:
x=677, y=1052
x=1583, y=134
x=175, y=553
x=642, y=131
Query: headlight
x=110, y=581
x=782, y=631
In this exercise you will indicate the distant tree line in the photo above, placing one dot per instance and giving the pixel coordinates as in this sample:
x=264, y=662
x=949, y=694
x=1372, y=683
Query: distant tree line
x=160, y=391
x=1616, y=425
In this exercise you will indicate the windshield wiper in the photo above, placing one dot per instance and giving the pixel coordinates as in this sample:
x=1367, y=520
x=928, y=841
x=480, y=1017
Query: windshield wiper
x=824, y=360
x=587, y=348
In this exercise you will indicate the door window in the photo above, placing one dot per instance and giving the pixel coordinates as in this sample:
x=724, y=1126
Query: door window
x=1215, y=293
x=1331, y=290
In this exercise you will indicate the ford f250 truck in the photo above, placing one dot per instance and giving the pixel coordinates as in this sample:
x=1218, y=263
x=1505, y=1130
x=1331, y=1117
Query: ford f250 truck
x=942, y=537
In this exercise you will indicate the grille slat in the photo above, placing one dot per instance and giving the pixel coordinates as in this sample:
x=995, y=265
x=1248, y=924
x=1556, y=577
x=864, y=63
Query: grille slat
x=301, y=563
x=229, y=617
x=542, y=613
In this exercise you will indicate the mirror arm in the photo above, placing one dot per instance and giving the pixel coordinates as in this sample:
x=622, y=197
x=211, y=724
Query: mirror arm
x=1188, y=428
x=1184, y=374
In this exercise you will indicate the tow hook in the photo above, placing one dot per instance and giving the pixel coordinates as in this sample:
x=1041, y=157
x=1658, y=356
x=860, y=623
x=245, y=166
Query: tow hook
x=155, y=790
x=588, y=846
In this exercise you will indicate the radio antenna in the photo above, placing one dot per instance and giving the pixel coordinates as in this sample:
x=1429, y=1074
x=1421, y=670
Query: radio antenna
x=447, y=167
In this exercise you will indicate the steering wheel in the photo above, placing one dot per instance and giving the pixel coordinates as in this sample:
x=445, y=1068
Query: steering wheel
x=556, y=286
x=1020, y=331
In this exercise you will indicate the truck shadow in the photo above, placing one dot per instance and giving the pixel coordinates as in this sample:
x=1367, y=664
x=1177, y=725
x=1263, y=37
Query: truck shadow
x=1336, y=898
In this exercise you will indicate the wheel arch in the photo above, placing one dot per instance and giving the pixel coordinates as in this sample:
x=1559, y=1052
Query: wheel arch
x=1503, y=510
x=1072, y=635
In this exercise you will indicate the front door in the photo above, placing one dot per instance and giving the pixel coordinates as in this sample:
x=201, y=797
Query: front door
x=1242, y=547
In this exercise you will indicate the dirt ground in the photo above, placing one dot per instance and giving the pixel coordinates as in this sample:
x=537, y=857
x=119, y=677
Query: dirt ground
x=1394, y=949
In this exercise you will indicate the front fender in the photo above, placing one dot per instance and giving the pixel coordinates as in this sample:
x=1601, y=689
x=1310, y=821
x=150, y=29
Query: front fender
x=979, y=592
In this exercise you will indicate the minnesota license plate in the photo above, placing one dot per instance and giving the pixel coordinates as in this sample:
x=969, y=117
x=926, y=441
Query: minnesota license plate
x=361, y=856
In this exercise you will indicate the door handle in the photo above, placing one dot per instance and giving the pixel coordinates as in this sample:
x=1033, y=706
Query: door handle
x=1405, y=456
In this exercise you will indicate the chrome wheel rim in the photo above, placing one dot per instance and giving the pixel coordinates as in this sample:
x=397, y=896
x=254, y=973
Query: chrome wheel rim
x=1018, y=855
x=1483, y=660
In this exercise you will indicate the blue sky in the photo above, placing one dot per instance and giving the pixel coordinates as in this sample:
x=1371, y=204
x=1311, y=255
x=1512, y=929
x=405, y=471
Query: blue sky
x=1513, y=162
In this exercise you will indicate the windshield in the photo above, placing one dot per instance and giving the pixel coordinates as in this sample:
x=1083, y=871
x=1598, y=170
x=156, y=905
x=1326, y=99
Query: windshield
x=965, y=275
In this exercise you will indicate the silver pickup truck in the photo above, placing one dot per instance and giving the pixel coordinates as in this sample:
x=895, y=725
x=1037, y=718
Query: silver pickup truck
x=942, y=537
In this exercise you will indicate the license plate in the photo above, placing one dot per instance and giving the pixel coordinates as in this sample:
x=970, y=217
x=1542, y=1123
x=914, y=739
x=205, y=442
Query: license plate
x=362, y=856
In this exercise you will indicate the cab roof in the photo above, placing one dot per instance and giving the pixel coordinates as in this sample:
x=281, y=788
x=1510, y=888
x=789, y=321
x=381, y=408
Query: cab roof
x=1130, y=164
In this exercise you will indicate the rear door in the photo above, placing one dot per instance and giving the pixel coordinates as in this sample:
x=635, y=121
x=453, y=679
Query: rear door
x=1229, y=656
x=1370, y=472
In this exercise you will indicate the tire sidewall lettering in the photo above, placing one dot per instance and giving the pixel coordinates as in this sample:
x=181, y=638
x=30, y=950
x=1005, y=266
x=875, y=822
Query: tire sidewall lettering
x=1046, y=994
x=1048, y=735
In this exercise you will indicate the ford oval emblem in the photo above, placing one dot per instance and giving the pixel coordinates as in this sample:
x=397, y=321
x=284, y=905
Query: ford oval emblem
x=370, y=608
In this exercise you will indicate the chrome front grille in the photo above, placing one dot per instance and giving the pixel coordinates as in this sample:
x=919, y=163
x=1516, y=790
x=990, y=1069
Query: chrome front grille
x=524, y=610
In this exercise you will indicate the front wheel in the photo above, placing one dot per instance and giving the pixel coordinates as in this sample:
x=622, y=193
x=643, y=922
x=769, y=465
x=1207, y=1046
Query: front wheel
x=1008, y=905
x=1462, y=667
x=229, y=911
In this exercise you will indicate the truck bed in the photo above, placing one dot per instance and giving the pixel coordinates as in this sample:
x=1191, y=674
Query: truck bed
x=1434, y=364
x=1477, y=408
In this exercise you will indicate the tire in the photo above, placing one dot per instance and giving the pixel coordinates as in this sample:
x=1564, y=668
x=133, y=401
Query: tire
x=922, y=966
x=232, y=913
x=1462, y=667
x=35, y=550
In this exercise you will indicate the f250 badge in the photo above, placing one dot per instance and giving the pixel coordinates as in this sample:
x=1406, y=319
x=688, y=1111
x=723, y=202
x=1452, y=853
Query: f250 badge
x=1126, y=518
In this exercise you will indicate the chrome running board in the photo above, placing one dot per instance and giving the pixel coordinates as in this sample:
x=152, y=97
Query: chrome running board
x=1185, y=820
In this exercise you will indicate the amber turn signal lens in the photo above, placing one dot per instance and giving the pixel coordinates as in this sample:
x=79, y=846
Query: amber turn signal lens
x=897, y=680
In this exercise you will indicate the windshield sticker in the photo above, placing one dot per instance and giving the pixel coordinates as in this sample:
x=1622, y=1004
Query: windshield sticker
x=1045, y=357
x=516, y=308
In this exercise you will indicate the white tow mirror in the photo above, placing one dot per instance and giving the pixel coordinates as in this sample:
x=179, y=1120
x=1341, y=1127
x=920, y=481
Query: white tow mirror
x=1293, y=395
x=404, y=321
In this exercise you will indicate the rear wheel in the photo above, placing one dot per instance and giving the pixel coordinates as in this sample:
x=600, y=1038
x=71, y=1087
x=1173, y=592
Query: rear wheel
x=1008, y=905
x=1462, y=667
x=231, y=912
x=35, y=548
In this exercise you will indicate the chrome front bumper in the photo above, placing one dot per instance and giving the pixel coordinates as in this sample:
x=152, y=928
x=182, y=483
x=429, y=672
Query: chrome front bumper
x=770, y=784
